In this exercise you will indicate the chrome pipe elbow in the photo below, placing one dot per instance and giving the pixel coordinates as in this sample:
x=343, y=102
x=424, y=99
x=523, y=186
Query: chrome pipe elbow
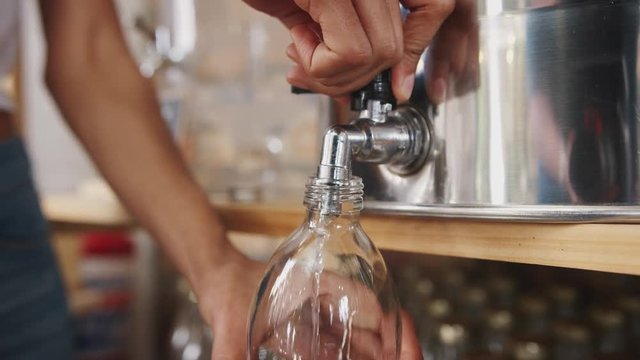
x=402, y=141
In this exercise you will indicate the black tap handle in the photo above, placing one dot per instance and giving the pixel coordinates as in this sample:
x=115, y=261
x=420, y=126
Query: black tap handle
x=298, y=90
x=378, y=89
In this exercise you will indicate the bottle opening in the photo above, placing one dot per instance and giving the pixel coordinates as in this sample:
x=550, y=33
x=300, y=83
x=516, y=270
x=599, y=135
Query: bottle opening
x=334, y=197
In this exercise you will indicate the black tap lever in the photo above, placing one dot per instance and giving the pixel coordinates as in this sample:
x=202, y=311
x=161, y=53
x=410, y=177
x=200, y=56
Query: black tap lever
x=379, y=89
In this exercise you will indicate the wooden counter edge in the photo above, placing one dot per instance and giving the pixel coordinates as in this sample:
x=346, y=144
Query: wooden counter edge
x=601, y=247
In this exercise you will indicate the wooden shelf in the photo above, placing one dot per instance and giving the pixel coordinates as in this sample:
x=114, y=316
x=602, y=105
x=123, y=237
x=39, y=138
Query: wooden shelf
x=81, y=213
x=601, y=247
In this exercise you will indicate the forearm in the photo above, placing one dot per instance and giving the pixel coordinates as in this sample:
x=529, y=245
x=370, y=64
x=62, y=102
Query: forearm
x=113, y=111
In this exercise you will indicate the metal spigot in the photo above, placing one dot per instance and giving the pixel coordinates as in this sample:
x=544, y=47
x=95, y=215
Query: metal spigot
x=399, y=137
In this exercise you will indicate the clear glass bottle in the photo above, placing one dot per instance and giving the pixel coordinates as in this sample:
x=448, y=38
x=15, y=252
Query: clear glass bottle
x=327, y=293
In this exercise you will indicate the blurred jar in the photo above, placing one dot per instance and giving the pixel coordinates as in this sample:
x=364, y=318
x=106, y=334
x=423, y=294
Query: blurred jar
x=609, y=330
x=528, y=349
x=472, y=304
x=414, y=297
x=407, y=276
x=564, y=301
x=219, y=70
x=248, y=138
x=436, y=310
x=630, y=305
x=191, y=337
x=162, y=36
x=533, y=315
x=453, y=338
x=572, y=341
x=452, y=283
x=496, y=331
x=101, y=308
x=502, y=291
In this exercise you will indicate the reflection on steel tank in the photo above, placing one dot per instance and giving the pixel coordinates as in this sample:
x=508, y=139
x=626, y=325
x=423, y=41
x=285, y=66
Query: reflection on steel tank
x=534, y=110
x=584, y=85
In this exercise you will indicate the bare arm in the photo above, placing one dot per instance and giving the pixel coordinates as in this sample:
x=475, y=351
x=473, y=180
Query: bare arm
x=113, y=111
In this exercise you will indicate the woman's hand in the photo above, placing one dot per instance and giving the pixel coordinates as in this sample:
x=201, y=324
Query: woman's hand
x=340, y=45
x=346, y=316
x=225, y=298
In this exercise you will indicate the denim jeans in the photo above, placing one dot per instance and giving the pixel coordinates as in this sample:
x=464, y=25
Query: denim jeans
x=34, y=318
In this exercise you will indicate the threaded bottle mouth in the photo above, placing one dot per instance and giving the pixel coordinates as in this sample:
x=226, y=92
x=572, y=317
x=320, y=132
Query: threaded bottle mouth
x=334, y=197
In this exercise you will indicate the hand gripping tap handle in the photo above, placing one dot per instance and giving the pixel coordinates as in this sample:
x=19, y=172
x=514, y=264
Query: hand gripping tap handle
x=378, y=89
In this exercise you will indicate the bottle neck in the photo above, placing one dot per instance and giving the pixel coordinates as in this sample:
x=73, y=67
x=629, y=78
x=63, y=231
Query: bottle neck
x=334, y=198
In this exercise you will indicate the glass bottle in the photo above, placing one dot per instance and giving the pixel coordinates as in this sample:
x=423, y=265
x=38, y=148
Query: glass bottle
x=326, y=293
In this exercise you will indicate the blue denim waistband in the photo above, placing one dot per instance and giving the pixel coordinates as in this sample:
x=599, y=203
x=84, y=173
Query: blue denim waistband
x=20, y=216
x=15, y=170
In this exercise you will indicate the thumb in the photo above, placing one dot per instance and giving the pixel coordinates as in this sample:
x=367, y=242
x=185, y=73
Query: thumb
x=422, y=23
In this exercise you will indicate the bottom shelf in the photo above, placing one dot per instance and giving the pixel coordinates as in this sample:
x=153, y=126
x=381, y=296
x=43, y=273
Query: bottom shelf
x=473, y=309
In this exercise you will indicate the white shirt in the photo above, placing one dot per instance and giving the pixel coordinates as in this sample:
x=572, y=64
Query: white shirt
x=9, y=14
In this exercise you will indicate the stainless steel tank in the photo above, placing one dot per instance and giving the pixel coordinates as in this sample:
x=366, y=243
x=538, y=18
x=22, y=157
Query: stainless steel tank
x=539, y=120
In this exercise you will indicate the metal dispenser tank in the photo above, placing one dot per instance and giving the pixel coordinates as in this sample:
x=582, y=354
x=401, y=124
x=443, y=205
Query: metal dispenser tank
x=539, y=120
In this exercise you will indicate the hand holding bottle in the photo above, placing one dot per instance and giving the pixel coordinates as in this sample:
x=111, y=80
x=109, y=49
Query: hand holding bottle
x=327, y=293
x=368, y=333
x=339, y=312
x=224, y=297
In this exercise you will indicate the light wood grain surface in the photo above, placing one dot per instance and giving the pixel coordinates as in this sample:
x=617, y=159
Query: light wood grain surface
x=602, y=247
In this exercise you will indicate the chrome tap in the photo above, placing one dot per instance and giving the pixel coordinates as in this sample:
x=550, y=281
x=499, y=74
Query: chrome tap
x=384, y=133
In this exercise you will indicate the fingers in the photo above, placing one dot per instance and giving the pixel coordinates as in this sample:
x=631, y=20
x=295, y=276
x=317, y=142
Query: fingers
x=341, y=78
x=224, y=303
x=292, y=340
x=410, y=347
x=454, y=53
x=423, y=21
x=357, y=40
x=336, y=18
x=447, y=55
x=343, y=311
x=382, y=25
x=344, y=43
x=365, y=344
